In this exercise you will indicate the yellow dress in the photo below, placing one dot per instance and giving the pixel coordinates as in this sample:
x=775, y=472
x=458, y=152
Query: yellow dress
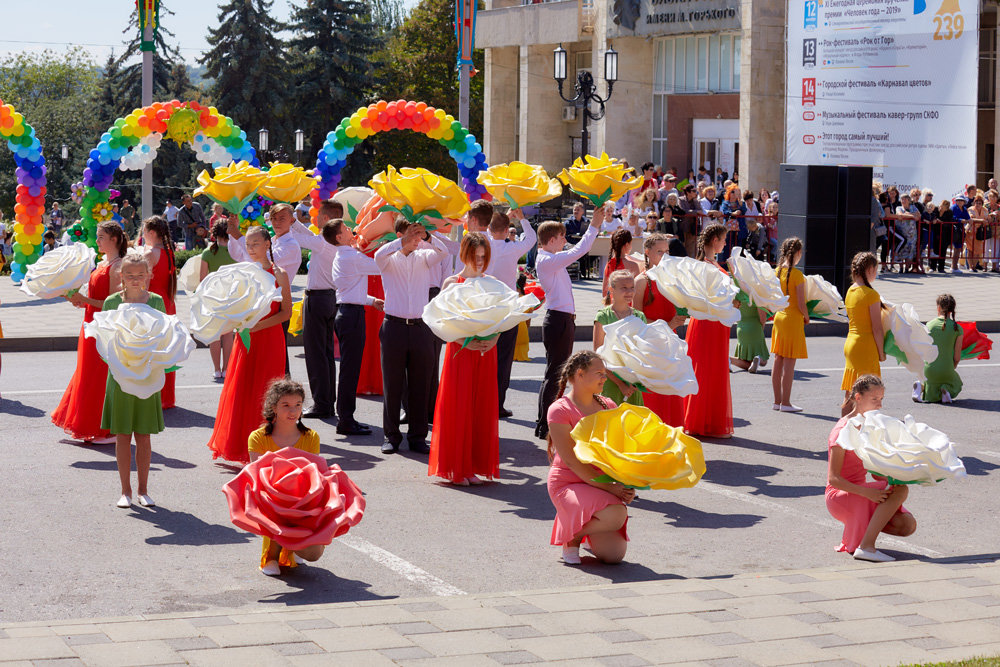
x=788, y=335
x=860, y=350
x=258, y=443
x=521, y=345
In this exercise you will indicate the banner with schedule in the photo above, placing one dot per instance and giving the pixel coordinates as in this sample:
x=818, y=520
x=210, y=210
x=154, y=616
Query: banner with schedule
x=891, y=84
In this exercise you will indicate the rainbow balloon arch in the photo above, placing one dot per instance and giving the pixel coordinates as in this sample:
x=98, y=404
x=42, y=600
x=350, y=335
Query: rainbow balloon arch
x=31, y=189
x=383, y=116
x=131, y=143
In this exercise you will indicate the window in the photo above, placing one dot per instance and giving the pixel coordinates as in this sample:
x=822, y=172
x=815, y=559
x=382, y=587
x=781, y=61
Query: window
x=697, y=64
x=583, y=61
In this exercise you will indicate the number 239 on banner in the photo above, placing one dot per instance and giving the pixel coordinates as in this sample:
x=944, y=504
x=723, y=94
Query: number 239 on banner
x=809, y=92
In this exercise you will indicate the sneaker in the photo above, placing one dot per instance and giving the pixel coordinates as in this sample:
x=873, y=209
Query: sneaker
x=146, y=501
x=754, y=365
x=217, y=375
x=956, y=270
x=110, y=440
x=789, y=408
x=124, y=502
x=872, y=556
x=945, y=396
x=918, y=392
x=571, y=555
x=271, y=568
x=776, y=406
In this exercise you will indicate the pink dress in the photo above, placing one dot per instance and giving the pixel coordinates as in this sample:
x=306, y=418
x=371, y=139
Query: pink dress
x=852, y=510
x=576, y=501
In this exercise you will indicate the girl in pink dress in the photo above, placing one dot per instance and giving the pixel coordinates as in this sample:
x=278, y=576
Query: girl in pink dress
x=585, y=510
x=865, y=508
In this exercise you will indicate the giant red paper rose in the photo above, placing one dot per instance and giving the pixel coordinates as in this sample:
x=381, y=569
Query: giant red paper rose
x=294, y=498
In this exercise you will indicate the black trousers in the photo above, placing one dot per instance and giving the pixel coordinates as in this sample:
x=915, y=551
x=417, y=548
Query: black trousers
x=505, y=360
x=288, y=366
x=350, y=328
x=318, y=313
x=558, y=331
x=407, y=355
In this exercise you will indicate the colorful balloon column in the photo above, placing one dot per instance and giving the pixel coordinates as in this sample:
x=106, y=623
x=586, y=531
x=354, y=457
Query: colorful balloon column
x=131, y=143
x=30, y=198
x=399, y=115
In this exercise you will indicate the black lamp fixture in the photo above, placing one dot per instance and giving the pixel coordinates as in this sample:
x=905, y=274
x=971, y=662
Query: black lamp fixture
x=586, y=89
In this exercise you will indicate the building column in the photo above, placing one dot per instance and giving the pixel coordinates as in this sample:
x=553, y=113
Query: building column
x=500, y=94
x=996, y=96
x=762, y=93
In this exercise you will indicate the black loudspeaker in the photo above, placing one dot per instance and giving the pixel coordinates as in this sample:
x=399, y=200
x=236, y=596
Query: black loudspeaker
x=828, y=208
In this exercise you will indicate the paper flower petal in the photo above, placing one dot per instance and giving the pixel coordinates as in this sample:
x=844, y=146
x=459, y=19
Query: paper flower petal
x=758, y=280
x=823, y=300
x=479, y=307
x=294, y=498
x=139, y=343
x=519, y=184
x=975, y=345
x=907, y=452
x=421, y=191
x=600, y=179
x=353, y=200
x=190, y=274
x=59, y=271
x=906, y=338
x=287, y=183
x=703, y=290
x=650, y=355
x=235, y=297
x=232, y=186
x=633, y=446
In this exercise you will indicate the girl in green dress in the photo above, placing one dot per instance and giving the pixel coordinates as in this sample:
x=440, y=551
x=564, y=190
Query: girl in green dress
x=751, y=348
x=943, y=383
x=621, y=289
x=124, y=414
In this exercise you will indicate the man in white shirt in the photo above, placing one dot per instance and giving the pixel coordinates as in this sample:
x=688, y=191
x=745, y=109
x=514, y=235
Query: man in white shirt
x=319, y=308
x=351, y=269
x=504, y=255
x=559, y=325
x=407, y=343
x=170, y=213
x=286, y=250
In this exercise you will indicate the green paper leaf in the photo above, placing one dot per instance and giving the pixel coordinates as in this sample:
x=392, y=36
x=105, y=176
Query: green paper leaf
x=638, y=385
x=892, y=349
x=683, y=312
x=72, y=292
x=608, y=479
x=897, y=482
x=172, y=369
x=244, y=335
x=970, y=352
x=352, y=213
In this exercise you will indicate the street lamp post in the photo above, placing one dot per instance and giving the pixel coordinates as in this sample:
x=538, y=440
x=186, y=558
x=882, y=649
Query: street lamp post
x=586, y=89
x=300, y=144
x=262, y=140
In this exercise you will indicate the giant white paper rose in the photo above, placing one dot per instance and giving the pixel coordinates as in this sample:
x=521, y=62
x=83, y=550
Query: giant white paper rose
x=477, y=308
x=139, y=343
x=823, y=300
x=235, y=297
x=190, y=274
x=59, y=271
x=906, y=452
x=906, y=338
x=758, y=280
x=705, y=292
x=650, y=355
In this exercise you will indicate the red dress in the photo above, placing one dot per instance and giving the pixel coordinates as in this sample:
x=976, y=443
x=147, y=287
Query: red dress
x=466, y=436
x=668, y=408
x=79, y=411
x=242, y=401
x=710, y=411
x=160, y=284
x=370, y=381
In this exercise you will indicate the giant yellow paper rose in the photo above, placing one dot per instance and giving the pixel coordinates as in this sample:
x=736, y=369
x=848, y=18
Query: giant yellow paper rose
x=417, y=192
x=600, y=178
x=519, y=184
x=633, y=446
x=232, y=186
x=287, y=183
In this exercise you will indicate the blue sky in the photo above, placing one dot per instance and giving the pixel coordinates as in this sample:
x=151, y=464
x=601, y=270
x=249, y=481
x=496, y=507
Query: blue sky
x=97, y=25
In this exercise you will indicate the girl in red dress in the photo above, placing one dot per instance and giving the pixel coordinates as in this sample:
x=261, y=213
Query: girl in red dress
x=79, y=411
x=466, y=437
x=709, y=412
x=370, y=381
x=618, y=258
x=651, y=303
x=250, y=372
x=159, y=248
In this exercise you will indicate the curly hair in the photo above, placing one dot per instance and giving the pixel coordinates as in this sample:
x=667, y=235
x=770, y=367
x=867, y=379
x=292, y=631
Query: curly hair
x=278, y=389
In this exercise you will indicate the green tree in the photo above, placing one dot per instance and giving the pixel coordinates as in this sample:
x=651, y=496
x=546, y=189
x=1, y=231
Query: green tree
x=331, y=54
x=420, y=65
x=247, y=64
x=164, y=58
x=54, y=92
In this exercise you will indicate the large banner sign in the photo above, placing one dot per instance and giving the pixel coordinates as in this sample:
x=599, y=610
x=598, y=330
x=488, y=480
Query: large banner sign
x=890, y=84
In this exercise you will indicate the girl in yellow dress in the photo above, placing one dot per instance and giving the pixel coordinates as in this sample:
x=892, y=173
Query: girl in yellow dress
x=863, y=349
x=788, y=336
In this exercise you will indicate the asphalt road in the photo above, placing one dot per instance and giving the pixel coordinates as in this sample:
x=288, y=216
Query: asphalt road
x=67, y=552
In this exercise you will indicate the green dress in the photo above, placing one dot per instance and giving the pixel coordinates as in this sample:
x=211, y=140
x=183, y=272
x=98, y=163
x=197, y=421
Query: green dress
x=217, y=259
x=750, y=341
x=604, y=317
x=124, y=413
x=941, y=373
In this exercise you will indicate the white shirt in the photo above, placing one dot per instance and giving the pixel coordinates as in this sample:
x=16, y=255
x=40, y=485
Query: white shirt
x=504, y=255
x=320, y=274
x=351, y=269
x=406, y=279
x=170, y=213
x=551, y=270
x=286, y=250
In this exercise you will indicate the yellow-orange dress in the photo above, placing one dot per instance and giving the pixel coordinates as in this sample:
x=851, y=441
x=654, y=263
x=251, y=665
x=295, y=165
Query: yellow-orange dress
x=259, y=443
x=860, y=350
x=521, y=346
x=788, y=335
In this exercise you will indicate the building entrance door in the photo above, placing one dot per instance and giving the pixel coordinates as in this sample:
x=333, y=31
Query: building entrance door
x=706, y=153
x=716, y=144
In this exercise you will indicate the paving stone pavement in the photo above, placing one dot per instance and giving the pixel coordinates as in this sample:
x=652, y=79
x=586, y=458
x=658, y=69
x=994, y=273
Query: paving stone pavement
x=887, y=614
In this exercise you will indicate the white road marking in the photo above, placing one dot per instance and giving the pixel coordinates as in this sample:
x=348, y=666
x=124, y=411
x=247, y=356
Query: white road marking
x=819, y=521
x=28, y=392
x=401, y=567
